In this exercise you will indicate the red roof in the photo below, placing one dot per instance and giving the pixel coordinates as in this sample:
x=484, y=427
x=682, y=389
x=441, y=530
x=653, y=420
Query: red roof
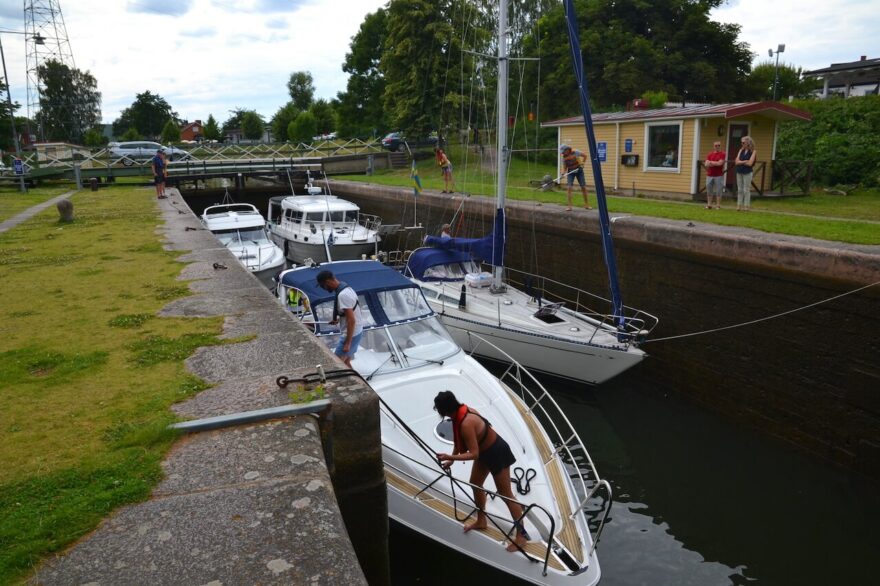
x=770, y=109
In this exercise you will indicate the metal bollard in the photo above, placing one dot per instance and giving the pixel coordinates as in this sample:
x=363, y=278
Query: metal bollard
x=93, y=183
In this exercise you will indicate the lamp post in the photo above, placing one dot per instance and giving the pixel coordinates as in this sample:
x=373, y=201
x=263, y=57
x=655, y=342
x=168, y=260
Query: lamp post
x=40, y=41
x=779, y=49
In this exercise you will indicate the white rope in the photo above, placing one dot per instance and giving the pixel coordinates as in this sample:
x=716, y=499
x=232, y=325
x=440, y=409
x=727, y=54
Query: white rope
x=769, y=317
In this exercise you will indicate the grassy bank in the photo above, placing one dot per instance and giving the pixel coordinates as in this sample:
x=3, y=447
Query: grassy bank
x=13, y=201
x=88, y=371
x=819, y=215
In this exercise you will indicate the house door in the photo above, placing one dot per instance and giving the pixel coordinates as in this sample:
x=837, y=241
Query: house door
x=737, y=131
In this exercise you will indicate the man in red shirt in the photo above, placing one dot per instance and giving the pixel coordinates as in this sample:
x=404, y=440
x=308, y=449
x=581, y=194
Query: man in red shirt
x=714, y=164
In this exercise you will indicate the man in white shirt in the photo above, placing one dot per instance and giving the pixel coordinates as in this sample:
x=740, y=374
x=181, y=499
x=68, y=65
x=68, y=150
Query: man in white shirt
x=346, y=312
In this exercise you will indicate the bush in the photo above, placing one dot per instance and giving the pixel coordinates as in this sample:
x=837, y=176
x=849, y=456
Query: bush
x=842, y=140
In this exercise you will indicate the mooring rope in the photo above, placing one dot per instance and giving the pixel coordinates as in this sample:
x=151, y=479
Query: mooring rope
x=769, y=317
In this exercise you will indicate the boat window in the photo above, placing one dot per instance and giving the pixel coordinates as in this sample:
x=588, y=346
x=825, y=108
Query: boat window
x=337, y=217
x=443, y=431
x=294, y=216
x=317, y=217
x=238, y=235
x=351, y=216
x=401, y=304
x=423, y=341
x=324, y=312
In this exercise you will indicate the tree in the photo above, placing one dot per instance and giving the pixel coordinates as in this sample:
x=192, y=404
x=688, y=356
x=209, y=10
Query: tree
x=421, y=64
x=325, y=117
x=252, y=125
x=301, y=88
x=790, y=83
x=303, y=128
x=94, y=138
x=70, y=102
x=359, y=108
x=170, y=132
x=6, y=141
x=234, y=120
x=131, y=134
x=282, y=119
x=211, y=130
x=147, y=114
x=655, y=99
x=631, y=46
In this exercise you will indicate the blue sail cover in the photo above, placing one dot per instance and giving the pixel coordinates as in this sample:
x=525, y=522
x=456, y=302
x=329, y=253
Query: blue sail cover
x=423, y=259
x=489, y=248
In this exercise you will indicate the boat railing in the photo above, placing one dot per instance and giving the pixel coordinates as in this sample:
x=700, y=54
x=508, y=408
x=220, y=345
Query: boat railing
x=635, y=324
x=568, y=447
x=457, y=485
x=370, y=222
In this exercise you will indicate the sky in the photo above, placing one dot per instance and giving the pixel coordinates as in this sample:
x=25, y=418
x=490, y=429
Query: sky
x=211, y=56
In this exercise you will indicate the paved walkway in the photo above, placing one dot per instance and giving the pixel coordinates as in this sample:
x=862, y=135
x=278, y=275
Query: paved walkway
x=31, y=212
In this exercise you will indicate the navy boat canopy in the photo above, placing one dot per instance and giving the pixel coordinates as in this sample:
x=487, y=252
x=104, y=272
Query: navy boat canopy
x=361, y=275
x=423, y=259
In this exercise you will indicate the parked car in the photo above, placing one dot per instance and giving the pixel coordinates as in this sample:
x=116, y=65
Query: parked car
x=142, y=151
x=396, y=141
x=328, y=136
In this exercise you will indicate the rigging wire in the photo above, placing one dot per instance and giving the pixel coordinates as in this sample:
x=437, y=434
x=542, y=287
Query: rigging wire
x=762, y=319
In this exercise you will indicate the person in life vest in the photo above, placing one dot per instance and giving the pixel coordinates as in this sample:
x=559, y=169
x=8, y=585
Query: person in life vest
x=476, y=440
x=296, y=301
x=573, y=163
x=345, y=312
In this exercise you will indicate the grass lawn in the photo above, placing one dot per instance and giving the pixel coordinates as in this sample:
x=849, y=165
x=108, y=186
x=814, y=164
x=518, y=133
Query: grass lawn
x=13, y=201
x=820, y=215
x=88, y=371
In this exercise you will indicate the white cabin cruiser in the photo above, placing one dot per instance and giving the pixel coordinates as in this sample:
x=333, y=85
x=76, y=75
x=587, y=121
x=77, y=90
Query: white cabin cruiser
x=322, y=227
x=408, y=357
x=241, y=228
x=573, y=342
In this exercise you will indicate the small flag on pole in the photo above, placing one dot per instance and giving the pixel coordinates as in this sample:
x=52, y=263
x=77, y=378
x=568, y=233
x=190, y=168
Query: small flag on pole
x=417, y=183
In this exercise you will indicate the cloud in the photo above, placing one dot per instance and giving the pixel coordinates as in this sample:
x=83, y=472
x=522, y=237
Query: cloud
x=161, y=7
x=279, y=23
x=205, y=31
x=260, y=6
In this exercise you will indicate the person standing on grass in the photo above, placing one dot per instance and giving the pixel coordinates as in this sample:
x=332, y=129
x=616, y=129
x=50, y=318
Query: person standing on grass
x=714, y=164
x=573, y=163
x=745, y=166
x=160, y=172
x=445, y=170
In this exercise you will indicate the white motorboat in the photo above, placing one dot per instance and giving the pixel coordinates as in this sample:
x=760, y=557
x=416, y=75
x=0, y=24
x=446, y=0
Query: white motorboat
x=322, y=227
x=408, y=357
x=241, y=228
x=562, y=338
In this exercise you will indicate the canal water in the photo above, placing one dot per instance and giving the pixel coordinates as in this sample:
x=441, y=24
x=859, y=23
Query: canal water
x=698, y=501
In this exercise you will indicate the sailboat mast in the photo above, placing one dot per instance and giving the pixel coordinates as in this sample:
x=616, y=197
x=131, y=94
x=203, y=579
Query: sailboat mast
x=501, y=151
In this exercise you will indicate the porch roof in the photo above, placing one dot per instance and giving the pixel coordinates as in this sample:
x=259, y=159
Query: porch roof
x=774, y=110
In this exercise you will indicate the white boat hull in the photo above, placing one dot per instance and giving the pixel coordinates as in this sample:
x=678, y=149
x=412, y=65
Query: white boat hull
x=299, y=251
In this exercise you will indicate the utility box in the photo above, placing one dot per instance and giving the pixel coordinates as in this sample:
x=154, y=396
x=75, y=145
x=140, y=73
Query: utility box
x=629, y=160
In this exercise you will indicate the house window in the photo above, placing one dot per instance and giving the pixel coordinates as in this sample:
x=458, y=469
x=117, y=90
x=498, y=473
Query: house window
x=664, y=146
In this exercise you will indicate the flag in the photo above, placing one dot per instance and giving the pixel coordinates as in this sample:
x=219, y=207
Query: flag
x=414, y=175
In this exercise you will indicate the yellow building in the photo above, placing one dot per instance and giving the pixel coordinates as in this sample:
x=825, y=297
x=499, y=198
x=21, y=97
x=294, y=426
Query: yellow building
x=661, y=151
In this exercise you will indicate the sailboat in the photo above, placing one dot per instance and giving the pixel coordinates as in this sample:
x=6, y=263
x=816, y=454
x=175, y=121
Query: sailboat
x=545, y=325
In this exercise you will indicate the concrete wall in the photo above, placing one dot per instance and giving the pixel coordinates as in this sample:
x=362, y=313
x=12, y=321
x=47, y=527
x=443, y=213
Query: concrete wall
x=811, y=378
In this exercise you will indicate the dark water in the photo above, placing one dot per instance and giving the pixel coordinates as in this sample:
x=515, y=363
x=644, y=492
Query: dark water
x=698, y=501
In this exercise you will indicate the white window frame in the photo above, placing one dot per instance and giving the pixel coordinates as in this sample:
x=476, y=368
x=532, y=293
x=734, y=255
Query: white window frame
x=647, y=143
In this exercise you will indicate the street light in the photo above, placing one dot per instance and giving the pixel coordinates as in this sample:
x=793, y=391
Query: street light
x=779, y=49
x=39, y=40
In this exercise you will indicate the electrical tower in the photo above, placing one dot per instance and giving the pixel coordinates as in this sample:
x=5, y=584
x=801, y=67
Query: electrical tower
x=46, y=40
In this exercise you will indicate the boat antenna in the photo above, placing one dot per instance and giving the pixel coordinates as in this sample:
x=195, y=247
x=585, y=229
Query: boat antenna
x=604, y=222
x=502, y=154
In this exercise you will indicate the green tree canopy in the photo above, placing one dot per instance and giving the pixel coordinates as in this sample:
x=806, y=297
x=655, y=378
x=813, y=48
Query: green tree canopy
x=359, y=107
x=790, y=83
x=282, y=119
x=303, y=128
x=131, y=134
x=94, y=138
x=252, y=125
x=147, y=114
x=325, y=117
x=6, y=140
x=632, y=46
x=301, y=88
x=170, y=132
x=70, y=102
x=211, y=130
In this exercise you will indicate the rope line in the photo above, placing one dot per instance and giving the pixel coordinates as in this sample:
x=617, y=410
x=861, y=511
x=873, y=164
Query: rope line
x=769, y=317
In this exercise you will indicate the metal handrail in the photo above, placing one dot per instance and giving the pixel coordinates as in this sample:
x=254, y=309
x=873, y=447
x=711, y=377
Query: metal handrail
x=567, y=440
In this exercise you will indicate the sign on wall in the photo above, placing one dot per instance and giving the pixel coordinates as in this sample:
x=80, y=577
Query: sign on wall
x=602, y=149
x=628, y=145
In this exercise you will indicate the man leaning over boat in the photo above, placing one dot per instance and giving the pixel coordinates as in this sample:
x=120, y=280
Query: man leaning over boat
x=346, y=313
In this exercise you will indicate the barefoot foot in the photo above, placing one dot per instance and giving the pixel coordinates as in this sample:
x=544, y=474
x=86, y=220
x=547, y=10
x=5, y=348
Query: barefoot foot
x=476, y=525
x=516, y=545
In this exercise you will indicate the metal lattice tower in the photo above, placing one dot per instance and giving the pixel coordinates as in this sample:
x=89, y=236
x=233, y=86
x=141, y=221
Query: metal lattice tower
x=46, y=40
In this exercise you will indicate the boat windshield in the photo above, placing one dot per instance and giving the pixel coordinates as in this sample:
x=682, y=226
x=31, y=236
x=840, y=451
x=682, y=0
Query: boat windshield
x=341, y=217
x=451, y=271
x=257, y=235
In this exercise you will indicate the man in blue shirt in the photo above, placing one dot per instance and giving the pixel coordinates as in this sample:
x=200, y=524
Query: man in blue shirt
x=160, y=172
